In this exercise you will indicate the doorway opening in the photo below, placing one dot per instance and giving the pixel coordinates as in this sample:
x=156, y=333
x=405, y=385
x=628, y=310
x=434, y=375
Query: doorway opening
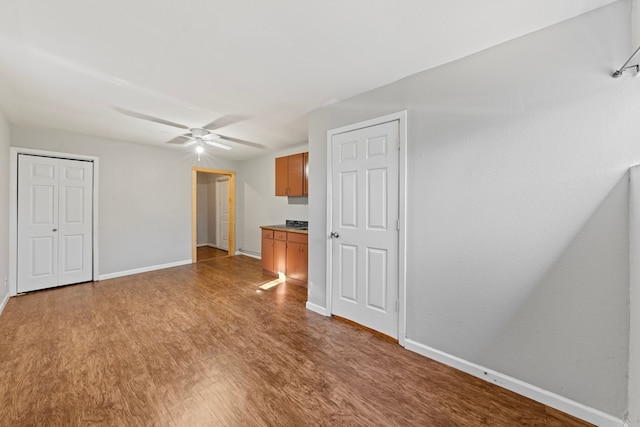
x=213, y=214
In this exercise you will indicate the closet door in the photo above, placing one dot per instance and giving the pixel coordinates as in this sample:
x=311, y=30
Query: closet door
x=54, y=222
x=75, y=224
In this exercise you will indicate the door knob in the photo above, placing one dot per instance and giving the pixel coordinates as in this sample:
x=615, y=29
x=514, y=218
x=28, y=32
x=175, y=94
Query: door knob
x=334, y=235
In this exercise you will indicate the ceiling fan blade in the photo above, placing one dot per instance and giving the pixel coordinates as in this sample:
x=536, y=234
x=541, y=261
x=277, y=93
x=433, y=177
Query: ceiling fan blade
x=224, y=121
x=149, y=118
x=180, y=139
x=217, y=144
x=176, y=140
x=243, y=142
x=191, y=141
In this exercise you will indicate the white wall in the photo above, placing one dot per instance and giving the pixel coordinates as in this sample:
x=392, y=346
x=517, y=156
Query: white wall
x=256, y=199
x=145, y=196
x=634, y=332
x=5, y=135
x=517, y=205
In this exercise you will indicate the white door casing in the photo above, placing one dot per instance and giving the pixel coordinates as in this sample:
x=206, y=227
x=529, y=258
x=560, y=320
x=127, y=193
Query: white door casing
x=222, y=214
x=54, y=222
x=365, y=226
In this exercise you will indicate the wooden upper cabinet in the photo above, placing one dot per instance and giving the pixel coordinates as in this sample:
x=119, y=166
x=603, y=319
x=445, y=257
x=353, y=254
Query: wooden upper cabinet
x=291, y=175
x=305, y=188
x=282, y=176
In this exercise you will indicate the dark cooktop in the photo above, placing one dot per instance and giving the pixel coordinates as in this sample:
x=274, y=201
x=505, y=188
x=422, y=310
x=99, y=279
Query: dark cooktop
x=301, y=225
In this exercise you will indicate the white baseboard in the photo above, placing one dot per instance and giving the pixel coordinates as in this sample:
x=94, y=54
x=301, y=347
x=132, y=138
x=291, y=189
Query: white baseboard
x=249, y=254
x=545, y=397
x=209, y=245
x=317, y=309
x=143, y=269
x=4, y=302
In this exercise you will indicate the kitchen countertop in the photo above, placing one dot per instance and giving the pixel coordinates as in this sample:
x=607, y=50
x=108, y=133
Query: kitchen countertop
x=283, y=227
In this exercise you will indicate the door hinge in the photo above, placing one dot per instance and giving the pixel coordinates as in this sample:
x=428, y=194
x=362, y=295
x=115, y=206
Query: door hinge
x=398, y=224
x=397, y=305
x=398, y=144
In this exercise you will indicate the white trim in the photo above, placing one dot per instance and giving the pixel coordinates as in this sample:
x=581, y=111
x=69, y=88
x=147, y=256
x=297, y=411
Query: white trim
x=13, y=207
x=248, y=253
x=401, y=117
x=4, y=302
x=317, y=309
x=633, y=386
x=144, y=269
x=545, y=397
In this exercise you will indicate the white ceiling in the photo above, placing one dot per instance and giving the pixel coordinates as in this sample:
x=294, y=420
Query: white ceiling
x=75, y=65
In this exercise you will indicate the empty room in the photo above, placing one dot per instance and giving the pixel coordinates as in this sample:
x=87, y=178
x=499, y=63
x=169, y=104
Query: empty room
x=320, y=213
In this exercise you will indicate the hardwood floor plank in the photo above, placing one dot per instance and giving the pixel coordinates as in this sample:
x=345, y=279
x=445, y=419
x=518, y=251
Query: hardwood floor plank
x=201, y=345
x=204, y=253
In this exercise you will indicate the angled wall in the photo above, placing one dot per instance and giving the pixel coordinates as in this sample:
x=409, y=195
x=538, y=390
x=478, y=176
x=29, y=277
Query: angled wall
x=517, y=202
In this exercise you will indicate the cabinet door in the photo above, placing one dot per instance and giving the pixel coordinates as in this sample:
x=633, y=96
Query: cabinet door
x=296, y=175
x=305, y=189
x=297, y=261
x=267, y=254
x=282, y=176
x=279, y=256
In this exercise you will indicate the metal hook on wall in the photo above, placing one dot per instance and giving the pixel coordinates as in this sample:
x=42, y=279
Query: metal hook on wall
x=624, y=67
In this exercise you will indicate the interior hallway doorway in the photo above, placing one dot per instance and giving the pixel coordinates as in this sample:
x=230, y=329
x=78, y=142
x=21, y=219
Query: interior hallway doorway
x=213, y=213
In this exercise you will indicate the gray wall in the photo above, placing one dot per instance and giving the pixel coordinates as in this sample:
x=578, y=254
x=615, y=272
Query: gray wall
x=144, y=196
x=5, y=135
x=517, y=205
x=258, y=203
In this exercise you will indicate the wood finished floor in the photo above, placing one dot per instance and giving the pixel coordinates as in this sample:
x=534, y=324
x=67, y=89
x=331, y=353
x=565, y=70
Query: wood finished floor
x=197, y=345
x=205, y=253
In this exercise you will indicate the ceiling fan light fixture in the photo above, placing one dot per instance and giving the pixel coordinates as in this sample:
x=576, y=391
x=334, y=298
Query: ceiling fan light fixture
x=199, y=132
x=199, y=149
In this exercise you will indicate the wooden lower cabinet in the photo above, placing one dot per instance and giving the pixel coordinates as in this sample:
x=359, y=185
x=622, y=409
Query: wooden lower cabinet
x=267, y=250
x=285, y=252
x=280, y=252
x=297, y=261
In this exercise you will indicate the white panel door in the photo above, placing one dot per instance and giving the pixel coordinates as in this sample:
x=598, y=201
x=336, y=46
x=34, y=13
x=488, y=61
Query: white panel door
x=75, y=221
x=364, y=218
x=54, y=222
x=222, y=214
x=37, y=223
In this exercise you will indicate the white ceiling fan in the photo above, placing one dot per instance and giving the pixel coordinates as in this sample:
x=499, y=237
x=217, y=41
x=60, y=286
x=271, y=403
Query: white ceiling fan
x=199, y=136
